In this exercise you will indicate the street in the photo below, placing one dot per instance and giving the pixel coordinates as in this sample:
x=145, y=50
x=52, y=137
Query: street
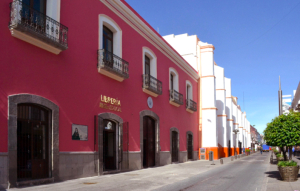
x=246, y=173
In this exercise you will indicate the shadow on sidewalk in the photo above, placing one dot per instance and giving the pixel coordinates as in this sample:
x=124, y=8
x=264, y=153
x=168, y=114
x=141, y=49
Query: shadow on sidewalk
x=273, y=174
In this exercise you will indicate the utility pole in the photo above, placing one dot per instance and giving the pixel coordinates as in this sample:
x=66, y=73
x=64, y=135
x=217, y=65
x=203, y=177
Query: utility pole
x=280, y=102
x=280, y=98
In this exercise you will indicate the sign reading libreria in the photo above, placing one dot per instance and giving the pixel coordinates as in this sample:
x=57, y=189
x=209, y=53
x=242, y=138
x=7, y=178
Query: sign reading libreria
x=110, y=103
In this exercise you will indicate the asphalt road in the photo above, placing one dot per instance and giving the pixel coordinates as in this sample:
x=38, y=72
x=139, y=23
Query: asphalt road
x=242, y=175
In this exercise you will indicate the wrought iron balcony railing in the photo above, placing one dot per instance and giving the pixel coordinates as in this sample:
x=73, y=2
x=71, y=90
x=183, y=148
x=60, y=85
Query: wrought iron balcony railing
x=38, y=25
x=112, y=63
x=152, y=84
x=191, y=105
x=176, y=97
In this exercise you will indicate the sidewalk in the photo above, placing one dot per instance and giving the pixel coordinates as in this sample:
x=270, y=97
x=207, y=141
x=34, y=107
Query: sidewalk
x=274, y=182
x=145, y=179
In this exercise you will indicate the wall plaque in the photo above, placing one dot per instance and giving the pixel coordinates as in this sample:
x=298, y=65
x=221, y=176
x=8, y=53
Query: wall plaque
x=79, y=132
x=150, y=102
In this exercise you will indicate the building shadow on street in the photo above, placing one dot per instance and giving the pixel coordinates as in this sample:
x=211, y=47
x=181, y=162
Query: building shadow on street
x=273, y=174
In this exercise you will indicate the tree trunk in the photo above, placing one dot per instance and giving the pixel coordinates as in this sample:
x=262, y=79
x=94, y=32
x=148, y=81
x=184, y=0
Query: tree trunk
x=284, y=153
x=290, y=153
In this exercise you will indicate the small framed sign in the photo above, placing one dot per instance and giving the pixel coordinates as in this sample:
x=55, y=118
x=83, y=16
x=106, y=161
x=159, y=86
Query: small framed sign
x=79, y=132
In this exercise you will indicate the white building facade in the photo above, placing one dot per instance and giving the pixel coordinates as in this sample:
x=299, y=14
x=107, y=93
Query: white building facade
x=219, y=113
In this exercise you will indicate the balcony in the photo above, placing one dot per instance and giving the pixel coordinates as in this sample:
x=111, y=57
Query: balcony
x=176, y=98
x=151, y=85
x=112, y=65
x=37, y=28
x=191, y=106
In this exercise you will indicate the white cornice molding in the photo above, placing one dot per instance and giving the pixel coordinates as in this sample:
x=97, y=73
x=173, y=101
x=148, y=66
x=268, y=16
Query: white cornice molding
x=137, y=24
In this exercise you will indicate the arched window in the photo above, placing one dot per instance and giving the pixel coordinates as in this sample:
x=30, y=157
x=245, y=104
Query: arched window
x=110, y=62
x=189, y=90
x=174, y=79
x=109, y=30
x=151, y=85
x=149, y=62
x=191, y=105
x=176, y=98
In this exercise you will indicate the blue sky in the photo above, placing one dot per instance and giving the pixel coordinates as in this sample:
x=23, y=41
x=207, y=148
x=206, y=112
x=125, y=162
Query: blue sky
x=255, y=41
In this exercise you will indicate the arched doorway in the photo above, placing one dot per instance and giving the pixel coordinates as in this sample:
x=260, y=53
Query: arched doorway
x=110, y=144
x=40, y=104
x=148, y=142
x=190, y=147
x=240, y=147
x=32, y=142
x=174, y=135
x=149, y=118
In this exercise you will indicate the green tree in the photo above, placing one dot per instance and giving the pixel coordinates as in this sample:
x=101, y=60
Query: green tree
x=284, y=131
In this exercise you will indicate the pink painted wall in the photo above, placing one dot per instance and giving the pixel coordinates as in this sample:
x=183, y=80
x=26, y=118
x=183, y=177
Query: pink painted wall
x=71, y=79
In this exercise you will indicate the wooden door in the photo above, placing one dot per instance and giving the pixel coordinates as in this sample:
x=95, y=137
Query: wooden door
x=174, y=146
x=148, y=142
x=32, y=142
x=39, y=161
x=190, y=147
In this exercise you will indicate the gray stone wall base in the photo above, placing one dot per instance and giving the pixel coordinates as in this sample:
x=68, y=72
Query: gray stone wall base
x=196, y=155
x=165, y=158
x=182, y=156
x=72, y=166
x=3, y=172
x=135, y=162
x=125, y=162
x=3, y=186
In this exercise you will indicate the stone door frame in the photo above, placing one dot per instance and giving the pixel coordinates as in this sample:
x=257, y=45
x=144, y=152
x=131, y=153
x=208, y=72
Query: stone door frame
x=155, y=117
x=178, y=142
x=187, y=144
x=13, y=101
x=119, y=134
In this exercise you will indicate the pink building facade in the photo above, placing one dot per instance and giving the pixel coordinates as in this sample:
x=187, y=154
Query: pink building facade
x=87, y=90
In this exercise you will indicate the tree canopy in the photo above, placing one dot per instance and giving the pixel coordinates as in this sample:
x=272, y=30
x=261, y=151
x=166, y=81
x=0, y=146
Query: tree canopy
x=284, y=130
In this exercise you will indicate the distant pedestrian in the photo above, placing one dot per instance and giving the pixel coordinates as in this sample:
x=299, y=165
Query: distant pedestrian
x=293, y=149
x=260, y=150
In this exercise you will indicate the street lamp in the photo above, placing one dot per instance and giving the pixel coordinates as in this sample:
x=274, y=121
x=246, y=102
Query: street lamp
x=236, y=132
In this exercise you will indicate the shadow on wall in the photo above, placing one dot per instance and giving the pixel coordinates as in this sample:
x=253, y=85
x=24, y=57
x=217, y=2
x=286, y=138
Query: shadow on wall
x=228, y=128
x=221, y=151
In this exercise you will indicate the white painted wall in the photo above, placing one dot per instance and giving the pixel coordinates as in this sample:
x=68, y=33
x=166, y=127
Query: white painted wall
x=220, y=104
x=228, y=111
x=209, y=114
x=234, y=126
x=186, y=46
